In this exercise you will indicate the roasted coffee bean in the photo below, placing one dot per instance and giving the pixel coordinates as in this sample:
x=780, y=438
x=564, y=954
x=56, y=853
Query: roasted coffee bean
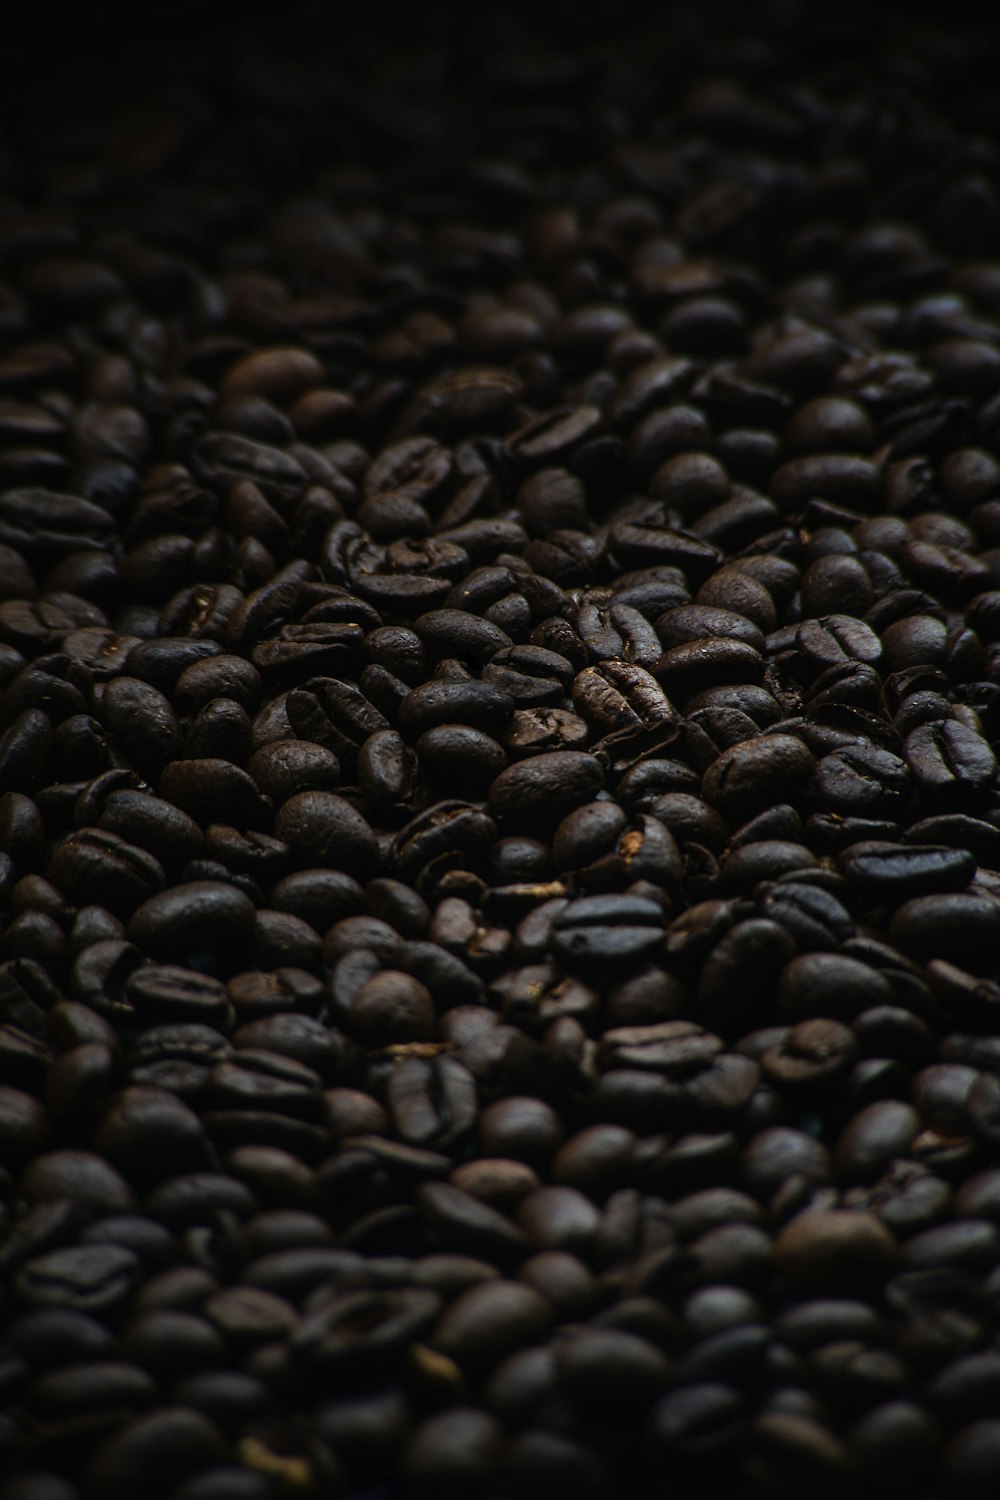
x=874, y=1138
x=391, y=1009
x=490, y=1321
x=607, y=930
x=955, y=927
x=819, y=1247
x=750, y=775
x=552, y=729
x=323, y=825
x=85, y=1278
x=448, y=832
x=320, y=897
x=456, y=1448
x=812, y=1055
x=951, y=764
x=204, y=920
x=213, y=790
x=863, y=780
x=154, y=824
x=499, y=829
x=459, y=757
x=544, y=788
x=173, y=1442
x=830, y=984
x=165, y=992
x=103, y=868
x=478, y=704
x=897, y=871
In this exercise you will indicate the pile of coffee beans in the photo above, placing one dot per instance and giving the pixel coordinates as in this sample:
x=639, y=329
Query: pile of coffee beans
x=500, y=819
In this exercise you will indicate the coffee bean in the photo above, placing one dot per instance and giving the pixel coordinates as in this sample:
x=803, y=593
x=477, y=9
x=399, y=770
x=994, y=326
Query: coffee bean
x=950, y=762
x=898, y=871
x=213, y=790
x=153, y=824
x=699, y=1420
x=949, y=926
x=819, y=1247
x=201, y=918
x=876, y=1136
x=454, y=1451
x=823, y=984
x=498, y=833
x=83, y=1278
x=607, y=929
x=80, y=1175
x=432, y=1101
x=544, y=787
x=393, y=1008
x=490, y=1321
x=172, y=1442
x=749, y=776
x=459, y=757
x=320, y=824
x=105, y=869
x=865, y=781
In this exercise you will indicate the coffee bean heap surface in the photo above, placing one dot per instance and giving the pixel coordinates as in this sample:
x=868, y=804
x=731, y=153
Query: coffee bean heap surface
x=499, y=810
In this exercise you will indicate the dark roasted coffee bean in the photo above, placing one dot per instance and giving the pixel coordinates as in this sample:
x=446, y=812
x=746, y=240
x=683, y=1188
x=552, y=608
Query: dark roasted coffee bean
x=391, y=1009
x=203, y=918
x=875, y=1137
x=607, y=930
x=164, y=992
x=460, y=757
x=819, y=1247
x=456, y=1448
x=103, y=868
x=863, y=780
x=85, y=1278
x=753, y=774
x=499, y=829
x=213, y=790
x=154, y=824
x=830, y=984
x=544, y=787
x=951, y=764
x=894, y=871
x=490, y=1321
x=956, y=927
x=173, y=1442
x=478, y=704
x=323, y=825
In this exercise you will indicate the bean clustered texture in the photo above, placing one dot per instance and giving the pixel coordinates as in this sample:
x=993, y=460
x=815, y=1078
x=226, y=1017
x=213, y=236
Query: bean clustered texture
x=499, y=715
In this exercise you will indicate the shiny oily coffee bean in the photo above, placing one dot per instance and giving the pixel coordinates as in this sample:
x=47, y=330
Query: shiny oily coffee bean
x=605, y=930
x=893, y=872
x=544, y=787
